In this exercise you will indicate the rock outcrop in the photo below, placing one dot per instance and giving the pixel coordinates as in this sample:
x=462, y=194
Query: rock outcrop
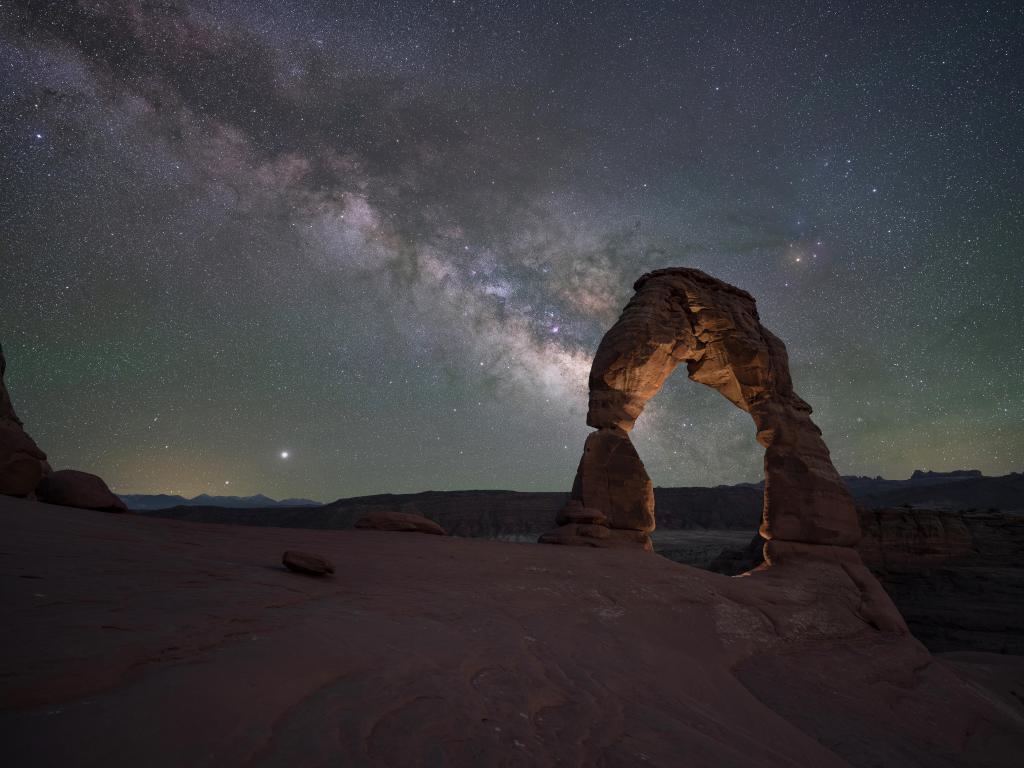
x=399, y=521
x=22, y=463
x=72, y=488
x=686, y=316
x=956, y=577
x=24, y=470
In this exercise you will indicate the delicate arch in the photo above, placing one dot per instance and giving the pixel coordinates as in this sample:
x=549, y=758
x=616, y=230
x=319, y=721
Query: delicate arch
x=686, y=316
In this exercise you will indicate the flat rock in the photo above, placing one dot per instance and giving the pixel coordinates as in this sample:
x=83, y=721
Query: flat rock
x=72, y=488
x=399, y=521
x=304, y=562
x=590, y=535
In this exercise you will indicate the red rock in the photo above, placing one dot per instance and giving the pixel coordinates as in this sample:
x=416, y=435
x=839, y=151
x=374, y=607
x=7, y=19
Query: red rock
x=686, y=316
x=21, y=460
x=590, y=535
x=612, y=480
x=458, y=652
x=71, y=488
x=399, y=521
x=304, y=562
x=575, y=512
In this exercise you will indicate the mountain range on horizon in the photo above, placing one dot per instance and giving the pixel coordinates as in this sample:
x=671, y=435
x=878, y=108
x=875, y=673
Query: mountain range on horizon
x=149, y=501
x=957, y=489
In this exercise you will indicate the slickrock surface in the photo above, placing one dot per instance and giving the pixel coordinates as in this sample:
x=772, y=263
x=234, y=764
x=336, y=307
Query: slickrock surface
x=399, y=521
x=686, y=316
x=956, y=577
x=128, y=641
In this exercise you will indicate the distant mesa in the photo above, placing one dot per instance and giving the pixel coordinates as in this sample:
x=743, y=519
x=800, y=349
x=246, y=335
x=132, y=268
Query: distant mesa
x=686, y=316
x=25, y=472
x=399, y=521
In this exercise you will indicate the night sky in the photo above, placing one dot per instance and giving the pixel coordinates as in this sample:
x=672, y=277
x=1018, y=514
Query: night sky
x=387, y=237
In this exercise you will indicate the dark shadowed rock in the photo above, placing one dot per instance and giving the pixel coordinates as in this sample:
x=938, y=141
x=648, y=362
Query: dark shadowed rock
x=399, y=521
x=956, y=577
x=71, y=488
x=304, y=562
x=21, y=460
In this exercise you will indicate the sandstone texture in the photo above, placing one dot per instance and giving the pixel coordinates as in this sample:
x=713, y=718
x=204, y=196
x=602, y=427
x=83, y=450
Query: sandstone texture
x=22, y=463
x=146, y=642
x=686, y=316
x=957, y=578
x=399, y=521
x=72, y=488
x=306, y=563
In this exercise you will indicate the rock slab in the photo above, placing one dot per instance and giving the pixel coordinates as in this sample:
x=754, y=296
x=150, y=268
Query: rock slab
x=306, y=563
x=399, y=521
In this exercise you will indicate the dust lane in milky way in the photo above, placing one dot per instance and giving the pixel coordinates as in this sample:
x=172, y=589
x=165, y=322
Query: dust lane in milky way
x=385, y=239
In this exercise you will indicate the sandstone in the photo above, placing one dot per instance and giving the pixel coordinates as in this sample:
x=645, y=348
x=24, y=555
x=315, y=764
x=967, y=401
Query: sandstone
x=304, y=562
x=21, y=460
x=399, y=521
x=686, y=316
x=612, y=480
x=589, y=535
x=71, y=488
x=575, y=512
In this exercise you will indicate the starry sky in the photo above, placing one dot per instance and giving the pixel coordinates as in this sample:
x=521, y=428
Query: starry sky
x=386, y=237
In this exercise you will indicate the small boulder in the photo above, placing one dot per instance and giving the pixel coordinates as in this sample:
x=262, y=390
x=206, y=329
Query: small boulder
x=71, y=488
x=304, y=562
x=399, y=521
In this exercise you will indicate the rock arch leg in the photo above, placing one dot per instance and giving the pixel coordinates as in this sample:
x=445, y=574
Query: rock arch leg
x=686, y=316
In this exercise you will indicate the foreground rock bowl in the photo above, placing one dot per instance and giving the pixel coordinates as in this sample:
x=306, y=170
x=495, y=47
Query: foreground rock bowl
x=134, y=641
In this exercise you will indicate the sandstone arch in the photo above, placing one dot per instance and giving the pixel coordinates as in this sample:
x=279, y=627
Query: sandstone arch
x=683, y=315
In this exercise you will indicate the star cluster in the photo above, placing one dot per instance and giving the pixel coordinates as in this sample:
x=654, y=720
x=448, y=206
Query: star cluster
x=326, y=249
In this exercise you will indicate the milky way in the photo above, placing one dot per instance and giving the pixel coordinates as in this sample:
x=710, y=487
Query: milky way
x=385, y=238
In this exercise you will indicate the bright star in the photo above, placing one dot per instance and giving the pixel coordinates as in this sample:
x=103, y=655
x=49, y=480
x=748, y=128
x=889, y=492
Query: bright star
x=284, y=454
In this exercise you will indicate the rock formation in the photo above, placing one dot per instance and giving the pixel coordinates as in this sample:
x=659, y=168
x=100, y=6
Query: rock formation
x=399, y=521
x=71, y=488
x=24, y=470
x=686, y=316
x=22, y=463
x=956, y=577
